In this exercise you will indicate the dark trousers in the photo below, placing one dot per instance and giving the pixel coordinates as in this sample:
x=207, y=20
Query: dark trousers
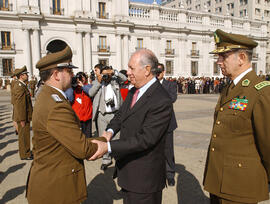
x=87, y=128
x=24, y=140
x=169, y=155
x=141, y=198
x=217, y=200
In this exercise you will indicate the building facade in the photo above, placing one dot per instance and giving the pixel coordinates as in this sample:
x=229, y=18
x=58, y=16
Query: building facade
x=109, y=31
x=258, y=10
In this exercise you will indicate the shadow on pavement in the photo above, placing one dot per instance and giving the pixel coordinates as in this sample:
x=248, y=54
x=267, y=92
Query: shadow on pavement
x=12, y=193
x=102, y=189
x=4, y=144
x=188, y=188
x=7, y=154
x=10, y=170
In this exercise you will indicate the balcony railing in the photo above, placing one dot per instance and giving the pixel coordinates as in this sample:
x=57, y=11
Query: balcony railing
x=7, y=47
x=103, y=48
x=169, y=51
x=55, y=11
x=194, y=53
x=9, y=8
x=103, y=15
x=138, y=48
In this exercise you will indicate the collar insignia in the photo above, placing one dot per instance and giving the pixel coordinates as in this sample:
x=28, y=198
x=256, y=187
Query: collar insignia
x=246, y=82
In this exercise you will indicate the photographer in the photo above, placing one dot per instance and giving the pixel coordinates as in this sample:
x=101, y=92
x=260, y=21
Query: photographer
x=107, y=100
x=81, y=102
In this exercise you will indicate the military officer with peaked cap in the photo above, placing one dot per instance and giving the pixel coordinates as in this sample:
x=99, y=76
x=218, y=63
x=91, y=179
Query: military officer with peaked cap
x=57, y=174
x=237, y=168
x=22, y=113
x=12, y=84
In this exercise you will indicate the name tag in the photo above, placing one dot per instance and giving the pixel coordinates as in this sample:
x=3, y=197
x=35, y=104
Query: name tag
x=79, y=100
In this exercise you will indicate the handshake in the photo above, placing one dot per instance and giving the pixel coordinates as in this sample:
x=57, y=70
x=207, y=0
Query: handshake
x=102, y=146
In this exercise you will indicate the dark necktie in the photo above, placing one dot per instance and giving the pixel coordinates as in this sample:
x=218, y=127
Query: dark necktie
x=134, y=99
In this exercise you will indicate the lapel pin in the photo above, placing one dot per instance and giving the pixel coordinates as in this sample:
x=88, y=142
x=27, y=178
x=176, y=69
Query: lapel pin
x=245, y=83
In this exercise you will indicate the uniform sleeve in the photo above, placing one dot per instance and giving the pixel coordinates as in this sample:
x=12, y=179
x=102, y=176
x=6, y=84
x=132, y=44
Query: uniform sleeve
x=261, y=118
x=19, y=103
x=154, y=127
x=63, y=125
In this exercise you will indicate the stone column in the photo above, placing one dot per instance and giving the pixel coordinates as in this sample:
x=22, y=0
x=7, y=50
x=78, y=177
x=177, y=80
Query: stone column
x=125, y=52
x=27, y=53
x=119, y=63
x=80, y=52
x=36, y=52
x=88, y=52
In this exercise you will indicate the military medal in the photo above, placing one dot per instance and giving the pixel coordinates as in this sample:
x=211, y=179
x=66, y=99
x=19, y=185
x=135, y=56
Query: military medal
x=239, y=104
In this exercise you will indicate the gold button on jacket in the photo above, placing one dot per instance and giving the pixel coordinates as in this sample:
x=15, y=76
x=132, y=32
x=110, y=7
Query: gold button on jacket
x=240, y=170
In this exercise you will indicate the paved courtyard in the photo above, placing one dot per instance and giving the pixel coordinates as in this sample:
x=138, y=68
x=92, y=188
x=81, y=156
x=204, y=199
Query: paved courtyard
x=194, y=115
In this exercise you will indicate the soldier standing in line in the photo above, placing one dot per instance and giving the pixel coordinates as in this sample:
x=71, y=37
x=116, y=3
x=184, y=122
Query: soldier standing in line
x=32, y=86
x=238, y=162
x=13, y=82
x=57, y=173
x=23, y=112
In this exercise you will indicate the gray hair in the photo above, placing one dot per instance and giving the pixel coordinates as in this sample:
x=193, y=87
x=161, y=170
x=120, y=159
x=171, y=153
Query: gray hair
x=248, y=52
x=148, y=58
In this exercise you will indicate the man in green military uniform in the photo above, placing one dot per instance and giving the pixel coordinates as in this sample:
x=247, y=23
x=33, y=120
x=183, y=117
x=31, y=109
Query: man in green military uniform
x=238, y=162
x=32, y=85
x=22, y=112
x=57, y=174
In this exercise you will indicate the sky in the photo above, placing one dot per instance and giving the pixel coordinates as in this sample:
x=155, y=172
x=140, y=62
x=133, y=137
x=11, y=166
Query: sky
x=147, y=1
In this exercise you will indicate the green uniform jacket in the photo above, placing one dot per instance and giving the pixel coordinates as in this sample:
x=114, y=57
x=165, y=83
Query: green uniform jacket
x=14, y=81
x=57, y=174
x=238, y=160
x=22, y=102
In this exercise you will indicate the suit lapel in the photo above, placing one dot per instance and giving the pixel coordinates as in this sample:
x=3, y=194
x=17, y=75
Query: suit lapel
x=143, y=99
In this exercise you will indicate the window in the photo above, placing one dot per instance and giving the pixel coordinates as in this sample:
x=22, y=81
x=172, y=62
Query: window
x=194, y=45
x=257, y=11
x=56, y=7
x=169, y=44
x=139, y=43
x=102, y=44
x=7, y=67
x=4, y=5
x=194, y=68
x=216, y=69
x=104, y=61
x=5, y=39
x=102, y=10
x=169, y=67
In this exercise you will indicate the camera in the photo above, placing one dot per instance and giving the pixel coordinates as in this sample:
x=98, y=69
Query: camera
x=92, y=75
x=106, y=78
x=110, y=102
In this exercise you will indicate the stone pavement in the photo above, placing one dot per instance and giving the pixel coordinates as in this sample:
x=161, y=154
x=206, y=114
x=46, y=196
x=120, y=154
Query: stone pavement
x=194, y=116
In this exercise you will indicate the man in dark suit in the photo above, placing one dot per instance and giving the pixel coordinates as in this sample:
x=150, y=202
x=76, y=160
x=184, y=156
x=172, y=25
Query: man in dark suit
x=171, y=88
x=143, y=120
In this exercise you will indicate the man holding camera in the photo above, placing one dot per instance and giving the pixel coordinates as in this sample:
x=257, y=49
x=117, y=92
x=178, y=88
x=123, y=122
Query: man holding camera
x=81, y=102
x=107, y=100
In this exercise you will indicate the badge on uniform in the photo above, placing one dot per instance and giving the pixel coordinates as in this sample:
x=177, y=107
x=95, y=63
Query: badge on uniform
x=239, y=104
x=56, y=98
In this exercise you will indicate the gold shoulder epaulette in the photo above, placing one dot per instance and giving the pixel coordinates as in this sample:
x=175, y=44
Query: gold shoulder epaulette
x=262, y=84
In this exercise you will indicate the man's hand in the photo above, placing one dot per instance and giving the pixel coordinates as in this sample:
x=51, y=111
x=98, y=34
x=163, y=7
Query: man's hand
x=108, y=135
x=22, y=123
x=102, y=149
x=80, y=83
x=99, y=78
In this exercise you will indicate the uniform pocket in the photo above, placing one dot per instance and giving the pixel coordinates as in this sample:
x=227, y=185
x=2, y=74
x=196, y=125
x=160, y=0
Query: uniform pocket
x=243, y=176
